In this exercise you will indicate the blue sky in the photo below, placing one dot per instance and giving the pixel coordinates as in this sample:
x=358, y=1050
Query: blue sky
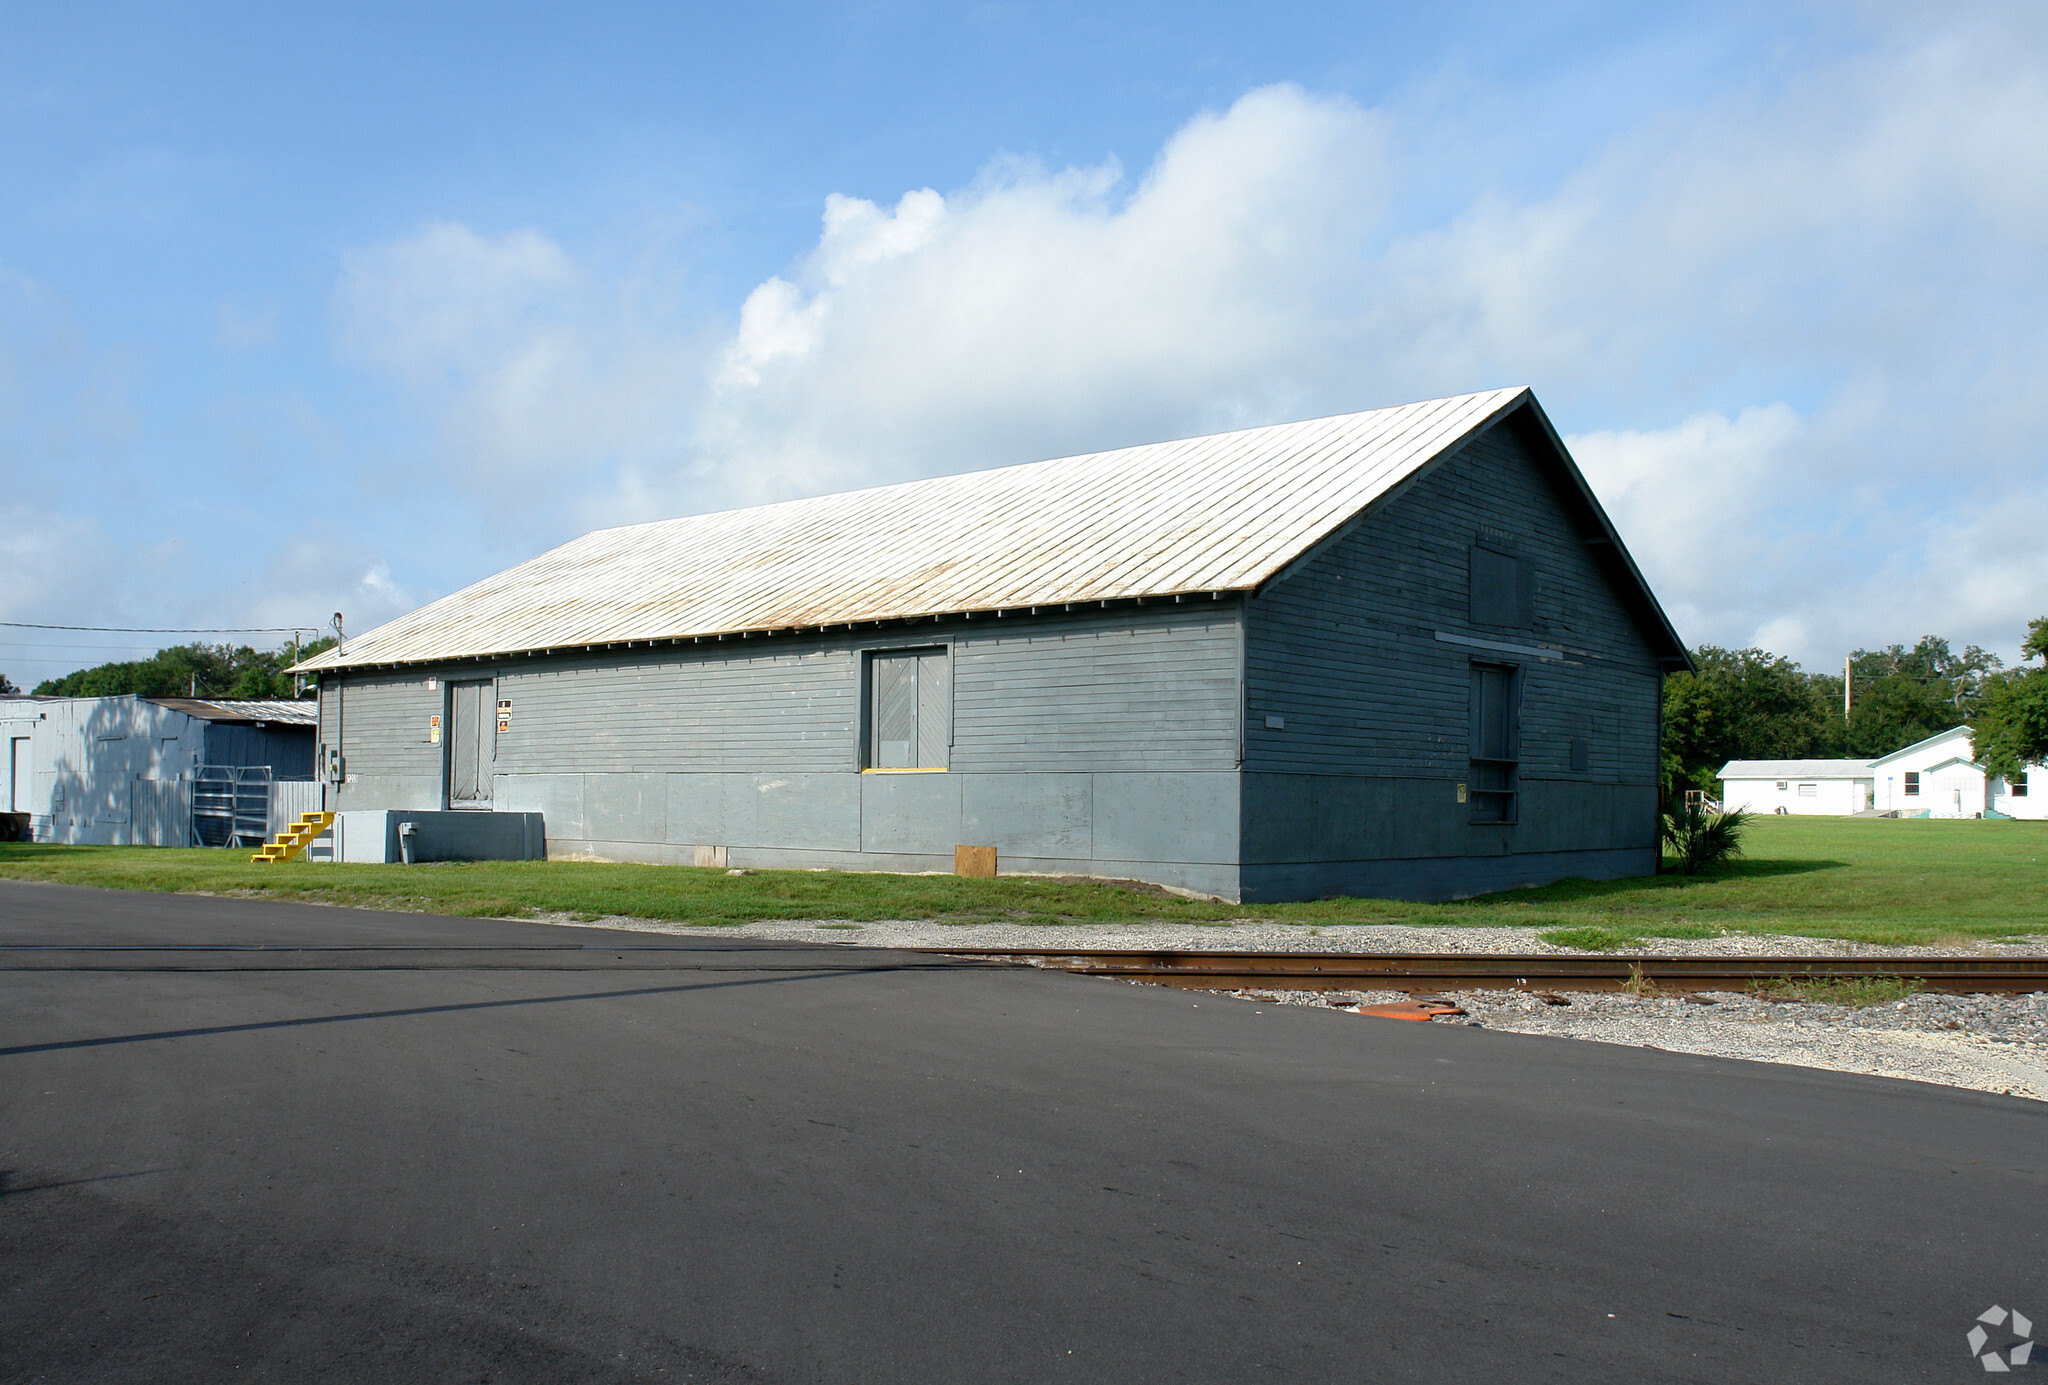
x=304, y=313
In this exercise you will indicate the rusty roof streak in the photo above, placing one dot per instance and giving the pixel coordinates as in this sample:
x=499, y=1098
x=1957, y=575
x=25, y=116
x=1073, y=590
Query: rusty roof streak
x=1198, y=515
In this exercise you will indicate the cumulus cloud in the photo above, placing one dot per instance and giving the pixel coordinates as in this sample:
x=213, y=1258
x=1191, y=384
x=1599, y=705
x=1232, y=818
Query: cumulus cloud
x=1700, y=506
x=538, y=368
x=308, y=577
x=1043, y=310
x=1793, y=328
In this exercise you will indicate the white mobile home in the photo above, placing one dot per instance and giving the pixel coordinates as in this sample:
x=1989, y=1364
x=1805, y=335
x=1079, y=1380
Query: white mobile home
x=1825, y=788
x=1931, y=778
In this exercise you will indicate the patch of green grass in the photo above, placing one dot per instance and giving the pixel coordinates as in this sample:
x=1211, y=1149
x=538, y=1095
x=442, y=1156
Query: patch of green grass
x=1857, y=992
x=589, y=890
x=1881, y=880
x=1600, y=937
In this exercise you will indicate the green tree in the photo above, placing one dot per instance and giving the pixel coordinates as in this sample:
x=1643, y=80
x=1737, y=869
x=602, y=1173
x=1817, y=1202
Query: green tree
x=1958, y=678
x=1744, y=704
x=192, y=670
x=1896, y=711
x=7, y=688
x=2010, y=730
x=2036, y=646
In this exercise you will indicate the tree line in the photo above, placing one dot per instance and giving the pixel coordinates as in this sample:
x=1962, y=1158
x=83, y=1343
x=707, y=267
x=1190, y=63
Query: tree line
x=1751, y=704
x=193, y=670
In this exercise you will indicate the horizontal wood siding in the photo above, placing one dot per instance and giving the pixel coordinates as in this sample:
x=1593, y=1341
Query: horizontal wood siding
x=1345, y=649
x=783, y=706
x=1133, y=689
x=383, y=723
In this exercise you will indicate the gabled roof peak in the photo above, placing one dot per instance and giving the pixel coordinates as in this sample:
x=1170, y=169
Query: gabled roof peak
x=1952, y=733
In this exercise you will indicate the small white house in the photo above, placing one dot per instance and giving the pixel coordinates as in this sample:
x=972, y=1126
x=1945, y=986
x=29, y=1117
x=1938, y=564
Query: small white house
x=1937, y=777
x=1933, y=778
x=1825, y=788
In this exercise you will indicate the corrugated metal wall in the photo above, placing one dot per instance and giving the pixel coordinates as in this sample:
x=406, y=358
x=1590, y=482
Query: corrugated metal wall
x=287, y=750
x=90, y=752
x=291, y=797
x=160, y=813
x=117, y=770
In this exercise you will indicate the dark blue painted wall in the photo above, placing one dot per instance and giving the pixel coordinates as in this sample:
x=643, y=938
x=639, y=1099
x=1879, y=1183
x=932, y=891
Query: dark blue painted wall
x=1363, y=654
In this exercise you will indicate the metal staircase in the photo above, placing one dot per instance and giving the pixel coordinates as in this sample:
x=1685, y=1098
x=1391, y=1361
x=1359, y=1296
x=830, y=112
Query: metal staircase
x=295, y=838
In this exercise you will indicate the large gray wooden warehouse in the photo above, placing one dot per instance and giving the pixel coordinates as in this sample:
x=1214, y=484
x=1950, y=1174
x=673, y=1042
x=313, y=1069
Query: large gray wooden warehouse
x=1393, y=653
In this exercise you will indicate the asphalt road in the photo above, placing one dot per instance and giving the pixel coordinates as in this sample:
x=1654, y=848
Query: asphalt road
x=472, y=1160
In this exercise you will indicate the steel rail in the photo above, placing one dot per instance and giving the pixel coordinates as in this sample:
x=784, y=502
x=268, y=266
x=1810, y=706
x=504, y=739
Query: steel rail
x=1346, y=971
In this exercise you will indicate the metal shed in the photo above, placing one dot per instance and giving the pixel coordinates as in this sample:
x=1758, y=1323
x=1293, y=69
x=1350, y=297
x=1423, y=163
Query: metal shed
x=158, y=771
x=1398, y=652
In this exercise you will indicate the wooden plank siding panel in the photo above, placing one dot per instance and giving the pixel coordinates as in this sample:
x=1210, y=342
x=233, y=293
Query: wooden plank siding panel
x=1345, y=648
x=1129, y=689
x=788, y=710
x=384, y=726
x=1140, y=689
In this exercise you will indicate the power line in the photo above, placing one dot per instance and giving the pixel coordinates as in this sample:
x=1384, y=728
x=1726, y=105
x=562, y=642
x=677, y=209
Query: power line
x=166, y=630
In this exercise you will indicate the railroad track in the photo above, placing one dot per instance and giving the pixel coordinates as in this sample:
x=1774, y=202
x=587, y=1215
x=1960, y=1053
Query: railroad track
x=1407, y=971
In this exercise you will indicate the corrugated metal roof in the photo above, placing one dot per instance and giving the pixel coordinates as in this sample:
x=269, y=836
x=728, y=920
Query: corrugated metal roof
x=1217, y=513
x=278, y=712
x=1795, y=769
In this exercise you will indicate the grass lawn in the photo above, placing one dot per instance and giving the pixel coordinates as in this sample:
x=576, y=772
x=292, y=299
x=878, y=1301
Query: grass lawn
x=1875, y=880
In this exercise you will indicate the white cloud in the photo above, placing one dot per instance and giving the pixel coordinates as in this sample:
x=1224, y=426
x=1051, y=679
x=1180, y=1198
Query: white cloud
x=1794, y=327
x=540, y=370
x=445, y=299
x=307, y=578
x=1044, y=310
x=1700, y=505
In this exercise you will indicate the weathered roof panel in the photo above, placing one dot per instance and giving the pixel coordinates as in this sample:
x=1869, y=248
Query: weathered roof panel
x=280, y=712
x=1208, y=514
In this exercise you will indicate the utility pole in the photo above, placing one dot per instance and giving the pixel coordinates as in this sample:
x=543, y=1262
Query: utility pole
x=1848, y=674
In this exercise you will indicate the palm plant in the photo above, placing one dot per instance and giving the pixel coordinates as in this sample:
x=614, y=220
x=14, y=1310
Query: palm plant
x=1700, y=838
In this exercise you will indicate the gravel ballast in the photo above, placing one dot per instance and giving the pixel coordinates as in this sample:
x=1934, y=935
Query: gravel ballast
x=1988, y=1043
x=1984, y=1043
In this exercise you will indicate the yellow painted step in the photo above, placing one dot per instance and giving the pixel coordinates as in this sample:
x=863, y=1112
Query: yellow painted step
x=296, y=838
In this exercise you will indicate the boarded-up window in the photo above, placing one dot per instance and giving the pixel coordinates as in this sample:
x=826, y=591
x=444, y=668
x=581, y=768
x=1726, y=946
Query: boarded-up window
x=910, y=709
x=1496, y=714
x=1502, y=587
x=1582, y=754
